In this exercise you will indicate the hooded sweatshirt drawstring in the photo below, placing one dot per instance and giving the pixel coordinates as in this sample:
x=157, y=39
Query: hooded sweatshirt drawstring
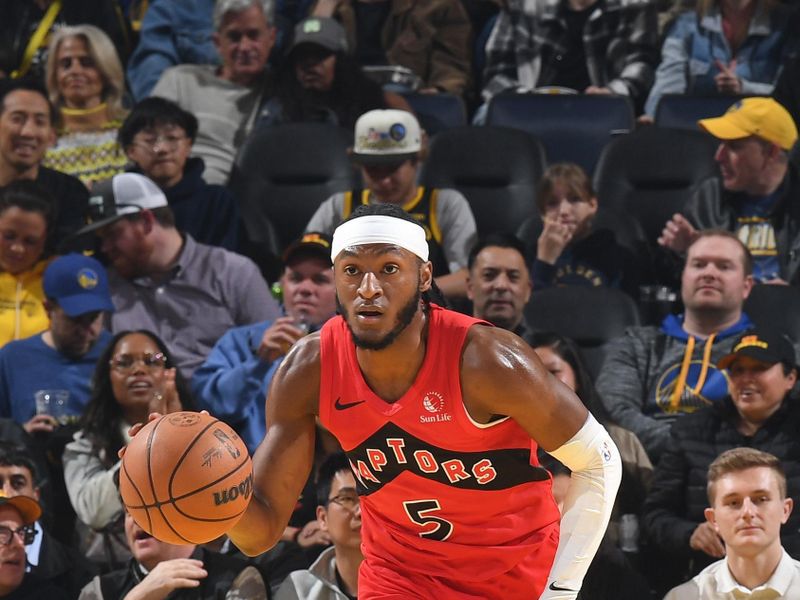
x=680, y=384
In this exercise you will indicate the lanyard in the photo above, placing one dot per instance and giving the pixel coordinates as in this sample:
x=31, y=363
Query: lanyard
x=37, y=39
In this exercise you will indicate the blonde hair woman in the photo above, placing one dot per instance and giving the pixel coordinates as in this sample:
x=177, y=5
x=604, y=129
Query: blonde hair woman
x=86, y=84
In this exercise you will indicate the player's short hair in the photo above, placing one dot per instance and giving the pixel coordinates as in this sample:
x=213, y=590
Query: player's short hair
x=500, y=240
x=740, y=459
x=747, y=258
x=332, y=465
x=14, y=455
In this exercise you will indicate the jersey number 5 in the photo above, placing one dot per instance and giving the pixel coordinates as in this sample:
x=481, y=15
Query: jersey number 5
x=419, y=511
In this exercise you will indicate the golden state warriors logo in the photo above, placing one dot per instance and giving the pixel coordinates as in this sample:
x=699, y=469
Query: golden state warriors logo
x=87, y=279
x=714, y=388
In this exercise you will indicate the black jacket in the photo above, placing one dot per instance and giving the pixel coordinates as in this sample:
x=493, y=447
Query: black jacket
x=677, y=498
x=63, y=567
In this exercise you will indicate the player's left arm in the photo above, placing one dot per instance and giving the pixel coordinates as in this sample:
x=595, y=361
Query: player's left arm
x=502, y=375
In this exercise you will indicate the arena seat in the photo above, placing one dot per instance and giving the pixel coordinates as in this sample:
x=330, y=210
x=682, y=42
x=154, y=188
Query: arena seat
x=572, y=127
x=682, y=111
x=437, y=112
x=651, y=173
x=281, y=176
x=776, y=307
x=496, y=168
x=591, y=316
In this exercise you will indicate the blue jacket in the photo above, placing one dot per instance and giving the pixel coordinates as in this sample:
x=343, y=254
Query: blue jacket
x=232, y=384
x=173, y=32
x=209, y=213
x=29, y=365
x=693, y=45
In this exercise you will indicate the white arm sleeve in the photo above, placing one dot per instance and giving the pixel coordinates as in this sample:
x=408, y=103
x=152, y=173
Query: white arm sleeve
x=596, y=473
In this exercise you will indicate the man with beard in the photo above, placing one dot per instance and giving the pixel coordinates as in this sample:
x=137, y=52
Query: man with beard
x=499, y=283
x=65, y=354
x=654, y=375
x=162, y=280
x=441, y=417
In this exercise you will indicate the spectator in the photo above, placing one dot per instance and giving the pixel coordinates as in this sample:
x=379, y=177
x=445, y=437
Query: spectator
x=135, y=376
x=747, y=493
x=189, y=293
x=17, y=516
x=334, y=575
x=86, y=83
x=590, y=47
x=612, y=573
x=157, y=137
x=388, y=147
x=652, y=375
x=432, y=38
x=759, y=188
x=761, y=412
x=48, y=559
x=320, y=81
x=174, y=32
x=160, y=570
x=232, y=384
x=26, y=25
x=571, y=250
x=26, y=132
x=26, y=215
x=723, y=48
x=76, y=299
x=499, y=284
x=225, y=100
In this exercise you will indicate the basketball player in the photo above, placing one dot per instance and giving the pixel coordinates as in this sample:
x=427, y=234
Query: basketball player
x=440, y=416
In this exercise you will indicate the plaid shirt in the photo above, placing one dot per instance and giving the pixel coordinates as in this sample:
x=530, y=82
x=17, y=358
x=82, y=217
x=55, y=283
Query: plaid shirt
x=620, y=40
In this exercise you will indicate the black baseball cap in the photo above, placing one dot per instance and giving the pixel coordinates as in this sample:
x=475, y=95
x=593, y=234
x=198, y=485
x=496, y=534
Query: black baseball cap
x=765, y=345
x=311, y=243
x=324, y=32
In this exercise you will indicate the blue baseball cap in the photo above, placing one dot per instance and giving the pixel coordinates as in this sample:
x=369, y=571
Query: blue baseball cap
x=78, y=283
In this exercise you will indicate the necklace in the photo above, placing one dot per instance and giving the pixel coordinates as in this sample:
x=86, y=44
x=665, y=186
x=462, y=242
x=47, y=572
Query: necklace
x=83, y=112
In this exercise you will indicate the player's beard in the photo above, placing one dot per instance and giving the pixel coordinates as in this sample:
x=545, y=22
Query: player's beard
x=404, y=318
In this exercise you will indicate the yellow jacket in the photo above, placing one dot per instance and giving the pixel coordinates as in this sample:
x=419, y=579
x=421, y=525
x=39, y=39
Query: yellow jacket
x=22, y=313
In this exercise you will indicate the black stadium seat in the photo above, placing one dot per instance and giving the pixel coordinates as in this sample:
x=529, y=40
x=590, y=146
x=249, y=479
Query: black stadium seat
x=281, y=176
x=572, y=127
x=496, y=168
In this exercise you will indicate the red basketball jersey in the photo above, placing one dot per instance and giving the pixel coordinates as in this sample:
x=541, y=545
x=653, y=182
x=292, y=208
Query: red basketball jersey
x=450, y=508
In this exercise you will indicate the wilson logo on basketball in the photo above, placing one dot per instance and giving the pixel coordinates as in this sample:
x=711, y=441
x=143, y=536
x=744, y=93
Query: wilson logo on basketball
x=244, y=489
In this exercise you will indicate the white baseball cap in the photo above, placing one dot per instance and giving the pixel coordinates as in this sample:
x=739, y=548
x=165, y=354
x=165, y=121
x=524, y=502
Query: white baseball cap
x=123, y=194
x=386, y=136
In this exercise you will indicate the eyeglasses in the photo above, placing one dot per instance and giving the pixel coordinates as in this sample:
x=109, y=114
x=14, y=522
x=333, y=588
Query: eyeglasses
x=347, y=501
x=27, y=533
x=124, y=362
x=170, y=142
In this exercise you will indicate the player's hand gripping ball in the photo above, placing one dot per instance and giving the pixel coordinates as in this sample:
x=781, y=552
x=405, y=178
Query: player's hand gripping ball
x=186, y=478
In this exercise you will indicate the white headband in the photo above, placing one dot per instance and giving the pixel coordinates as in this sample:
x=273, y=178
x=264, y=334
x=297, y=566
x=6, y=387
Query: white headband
x=380, y=229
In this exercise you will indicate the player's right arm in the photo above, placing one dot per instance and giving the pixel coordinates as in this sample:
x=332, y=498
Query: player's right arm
x=283, y=460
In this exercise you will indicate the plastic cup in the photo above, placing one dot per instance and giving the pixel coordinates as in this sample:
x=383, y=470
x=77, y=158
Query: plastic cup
x=53, y=403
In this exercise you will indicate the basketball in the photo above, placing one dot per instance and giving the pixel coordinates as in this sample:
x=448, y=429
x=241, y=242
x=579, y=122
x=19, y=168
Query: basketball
x=186, y=478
